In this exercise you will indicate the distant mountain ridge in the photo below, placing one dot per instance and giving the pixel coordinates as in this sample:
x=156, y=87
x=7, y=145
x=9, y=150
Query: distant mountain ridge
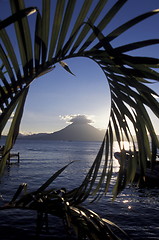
x=73, y=132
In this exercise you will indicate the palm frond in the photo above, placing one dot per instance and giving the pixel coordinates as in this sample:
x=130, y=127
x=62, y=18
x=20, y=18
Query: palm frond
x=85, y=222
x=14, y=130
x=15, y=17
x=53, y=40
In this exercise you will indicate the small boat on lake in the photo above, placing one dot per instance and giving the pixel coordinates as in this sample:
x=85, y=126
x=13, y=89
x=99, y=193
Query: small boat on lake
x=151, y=178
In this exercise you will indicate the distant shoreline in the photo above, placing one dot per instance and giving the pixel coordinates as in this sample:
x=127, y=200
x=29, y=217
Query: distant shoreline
x=72, y=132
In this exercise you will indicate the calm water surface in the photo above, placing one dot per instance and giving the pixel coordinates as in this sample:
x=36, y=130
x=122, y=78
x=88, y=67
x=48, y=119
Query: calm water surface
x=135, y=210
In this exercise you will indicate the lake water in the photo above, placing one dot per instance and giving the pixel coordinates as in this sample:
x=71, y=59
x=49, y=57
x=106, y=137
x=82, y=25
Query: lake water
x=135, y=210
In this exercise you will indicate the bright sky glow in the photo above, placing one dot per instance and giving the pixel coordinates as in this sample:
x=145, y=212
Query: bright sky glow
x=58, y=94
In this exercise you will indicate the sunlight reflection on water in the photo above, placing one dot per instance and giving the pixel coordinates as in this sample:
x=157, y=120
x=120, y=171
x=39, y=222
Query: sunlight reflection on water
x=135, y=210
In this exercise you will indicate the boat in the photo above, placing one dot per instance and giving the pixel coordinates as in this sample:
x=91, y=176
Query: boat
x=151, y=178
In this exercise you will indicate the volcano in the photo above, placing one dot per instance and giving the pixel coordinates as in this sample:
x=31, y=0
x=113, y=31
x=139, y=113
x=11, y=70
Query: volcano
x=73, y=132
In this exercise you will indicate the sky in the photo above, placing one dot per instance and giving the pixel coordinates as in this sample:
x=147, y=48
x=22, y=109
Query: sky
x=57, y=97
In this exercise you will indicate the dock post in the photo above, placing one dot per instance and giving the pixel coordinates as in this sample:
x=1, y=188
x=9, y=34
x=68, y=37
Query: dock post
x=9, y=158
x=18, y=158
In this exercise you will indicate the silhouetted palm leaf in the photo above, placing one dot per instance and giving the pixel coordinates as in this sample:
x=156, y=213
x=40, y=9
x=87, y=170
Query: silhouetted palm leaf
x=85, y=222
x=53, y=40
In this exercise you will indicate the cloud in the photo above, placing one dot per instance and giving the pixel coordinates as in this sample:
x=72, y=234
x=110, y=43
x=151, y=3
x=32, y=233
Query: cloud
x=77, y=119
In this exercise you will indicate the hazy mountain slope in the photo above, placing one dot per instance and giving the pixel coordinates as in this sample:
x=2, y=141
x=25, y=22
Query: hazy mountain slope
x=78, y=132
x=73, y=132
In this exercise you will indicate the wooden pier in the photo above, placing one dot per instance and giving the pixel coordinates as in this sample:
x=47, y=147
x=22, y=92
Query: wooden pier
x=13, y=156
